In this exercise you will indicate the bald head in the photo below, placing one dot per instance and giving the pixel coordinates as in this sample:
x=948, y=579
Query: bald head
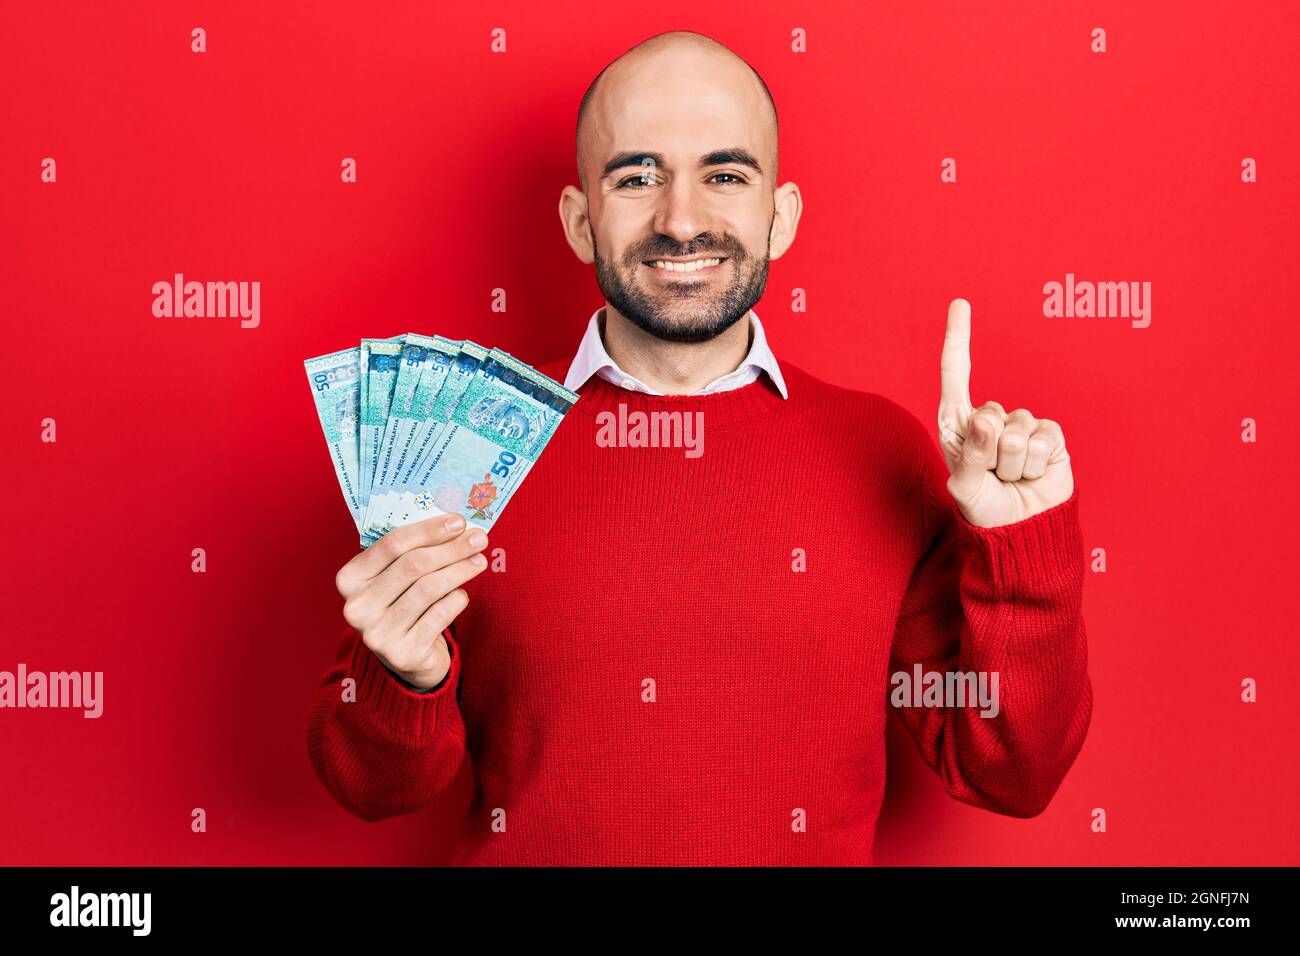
x=679, y=207
x=686, y=57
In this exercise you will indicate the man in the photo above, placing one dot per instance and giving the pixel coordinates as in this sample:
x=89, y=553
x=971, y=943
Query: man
x=686, y=652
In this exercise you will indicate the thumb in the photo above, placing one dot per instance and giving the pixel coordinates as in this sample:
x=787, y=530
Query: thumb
x=979, y=456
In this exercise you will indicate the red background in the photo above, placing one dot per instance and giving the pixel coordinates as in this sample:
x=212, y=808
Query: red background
x=183, y=433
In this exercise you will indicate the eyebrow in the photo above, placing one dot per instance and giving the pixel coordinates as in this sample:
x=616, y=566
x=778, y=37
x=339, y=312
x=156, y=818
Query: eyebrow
x=733, y=155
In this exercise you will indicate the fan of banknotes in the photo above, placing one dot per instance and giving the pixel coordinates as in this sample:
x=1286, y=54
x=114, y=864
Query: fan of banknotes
x=419, y=426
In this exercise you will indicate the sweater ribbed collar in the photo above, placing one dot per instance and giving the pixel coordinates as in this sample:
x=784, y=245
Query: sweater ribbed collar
x=759, y=397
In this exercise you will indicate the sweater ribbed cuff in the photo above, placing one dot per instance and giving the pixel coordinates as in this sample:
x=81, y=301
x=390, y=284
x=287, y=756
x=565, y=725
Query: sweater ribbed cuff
x=395, y=703
x=1033, y=555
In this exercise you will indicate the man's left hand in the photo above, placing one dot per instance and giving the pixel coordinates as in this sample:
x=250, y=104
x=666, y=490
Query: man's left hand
x=1003, y=466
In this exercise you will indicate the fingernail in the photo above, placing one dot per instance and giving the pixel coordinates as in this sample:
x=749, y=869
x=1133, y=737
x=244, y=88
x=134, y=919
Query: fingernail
x=478, y=539
x=454, y=523
x=977, y=436
x=477, y=560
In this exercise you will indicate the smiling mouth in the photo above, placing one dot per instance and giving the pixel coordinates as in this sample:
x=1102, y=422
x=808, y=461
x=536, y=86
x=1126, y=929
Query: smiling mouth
x=685, y=267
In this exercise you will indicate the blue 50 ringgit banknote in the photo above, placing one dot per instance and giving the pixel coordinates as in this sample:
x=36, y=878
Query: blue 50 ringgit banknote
x=421, y=425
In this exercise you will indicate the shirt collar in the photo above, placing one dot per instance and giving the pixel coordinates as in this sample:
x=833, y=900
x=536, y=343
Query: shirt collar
x=592, y=358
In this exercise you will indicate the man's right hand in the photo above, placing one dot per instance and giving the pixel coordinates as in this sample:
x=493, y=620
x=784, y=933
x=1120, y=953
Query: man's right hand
x=402, y=591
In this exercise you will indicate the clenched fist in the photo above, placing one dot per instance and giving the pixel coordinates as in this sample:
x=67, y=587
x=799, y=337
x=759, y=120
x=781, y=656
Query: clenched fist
x=402, y=591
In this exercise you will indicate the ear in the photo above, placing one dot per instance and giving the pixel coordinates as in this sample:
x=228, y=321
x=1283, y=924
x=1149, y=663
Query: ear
x=785, y=219
x=577, y=226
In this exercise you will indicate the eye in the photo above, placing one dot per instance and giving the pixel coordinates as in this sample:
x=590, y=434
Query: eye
x=634, y=182
x=738, y=180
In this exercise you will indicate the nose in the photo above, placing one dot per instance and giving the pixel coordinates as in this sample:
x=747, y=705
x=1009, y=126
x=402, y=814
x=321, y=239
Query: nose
x=681, y=212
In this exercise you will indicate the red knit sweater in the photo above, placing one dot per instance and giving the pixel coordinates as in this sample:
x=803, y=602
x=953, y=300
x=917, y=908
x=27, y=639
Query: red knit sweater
x=651, y=681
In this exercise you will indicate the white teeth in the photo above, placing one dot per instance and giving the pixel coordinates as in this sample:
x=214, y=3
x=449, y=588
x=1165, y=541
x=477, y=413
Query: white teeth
x=694, y=266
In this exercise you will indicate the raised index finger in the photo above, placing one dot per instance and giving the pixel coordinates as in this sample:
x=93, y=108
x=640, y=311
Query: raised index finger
x=954, y=362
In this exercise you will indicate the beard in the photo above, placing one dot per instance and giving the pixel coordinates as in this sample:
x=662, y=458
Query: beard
x=687, y=311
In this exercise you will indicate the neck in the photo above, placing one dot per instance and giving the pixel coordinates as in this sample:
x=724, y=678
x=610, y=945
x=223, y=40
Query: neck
x=673, y=368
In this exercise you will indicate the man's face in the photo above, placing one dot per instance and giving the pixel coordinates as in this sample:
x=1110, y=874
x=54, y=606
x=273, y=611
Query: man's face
x=682, y=137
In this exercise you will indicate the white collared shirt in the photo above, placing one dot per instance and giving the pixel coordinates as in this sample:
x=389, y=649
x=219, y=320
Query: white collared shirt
x=592, y=359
